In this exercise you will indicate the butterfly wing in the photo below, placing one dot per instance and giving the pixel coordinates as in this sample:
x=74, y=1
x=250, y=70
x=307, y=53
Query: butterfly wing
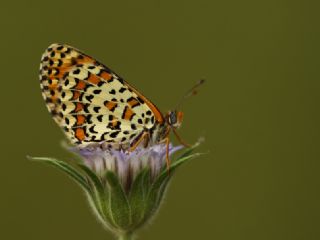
x=90, y=102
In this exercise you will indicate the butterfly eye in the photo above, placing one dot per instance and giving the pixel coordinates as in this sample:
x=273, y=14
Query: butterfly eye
x=172, y=118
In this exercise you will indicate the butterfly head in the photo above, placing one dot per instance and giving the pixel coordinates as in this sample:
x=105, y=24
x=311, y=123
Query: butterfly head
x=174, y=118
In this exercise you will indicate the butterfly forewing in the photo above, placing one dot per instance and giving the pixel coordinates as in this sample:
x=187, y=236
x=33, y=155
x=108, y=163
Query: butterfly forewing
x=90, y=102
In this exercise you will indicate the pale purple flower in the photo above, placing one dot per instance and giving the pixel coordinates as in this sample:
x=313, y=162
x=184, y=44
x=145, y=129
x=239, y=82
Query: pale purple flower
x=124, y=163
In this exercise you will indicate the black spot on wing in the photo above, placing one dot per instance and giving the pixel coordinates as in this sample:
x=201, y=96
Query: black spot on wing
x=100, y=118
x=97, y=91
x=91, y=129
x=89, y=120
x=120, y=80
x=89, y=98
x=132, y=135
x=113, y=127
x=85, y=108
x=80, y=57
x=68, y=50
x=60, y=63
x=100, y=83
x=114, y=134
x=121, y=90
x=77, y=71
x=96, y=109
x=140, y=100
x=130, y=99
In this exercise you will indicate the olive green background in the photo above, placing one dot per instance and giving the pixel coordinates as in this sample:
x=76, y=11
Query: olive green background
x=258, y=111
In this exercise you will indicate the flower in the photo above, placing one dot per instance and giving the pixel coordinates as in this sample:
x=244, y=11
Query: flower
x=124, y=189
x=126, y=165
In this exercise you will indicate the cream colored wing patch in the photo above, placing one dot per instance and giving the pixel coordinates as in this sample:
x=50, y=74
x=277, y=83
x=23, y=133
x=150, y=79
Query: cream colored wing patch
x=89, y=101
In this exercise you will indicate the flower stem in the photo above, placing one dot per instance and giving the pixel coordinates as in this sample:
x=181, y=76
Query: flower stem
x=125, y=236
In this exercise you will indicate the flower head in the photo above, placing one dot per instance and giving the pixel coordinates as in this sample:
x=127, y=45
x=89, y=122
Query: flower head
x=125, y=189
x=126, y=165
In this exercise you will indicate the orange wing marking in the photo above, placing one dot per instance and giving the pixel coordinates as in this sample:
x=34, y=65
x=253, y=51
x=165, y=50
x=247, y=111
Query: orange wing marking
x=94, y=79
x=110, y=105
x=127, y=113
x=79, y=107
x=154, y=109
x=81, y=85
x=80, y=120
x=106, y=76
x=76, y=95
x=80, y=134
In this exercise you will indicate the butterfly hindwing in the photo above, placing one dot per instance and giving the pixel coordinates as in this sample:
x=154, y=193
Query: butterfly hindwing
x=89, y=101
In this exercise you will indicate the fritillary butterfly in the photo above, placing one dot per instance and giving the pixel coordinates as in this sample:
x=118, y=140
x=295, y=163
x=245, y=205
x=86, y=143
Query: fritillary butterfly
x=93, y=105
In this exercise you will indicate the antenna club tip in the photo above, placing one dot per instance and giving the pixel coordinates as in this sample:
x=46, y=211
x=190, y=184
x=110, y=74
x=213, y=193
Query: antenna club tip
x=191, y=92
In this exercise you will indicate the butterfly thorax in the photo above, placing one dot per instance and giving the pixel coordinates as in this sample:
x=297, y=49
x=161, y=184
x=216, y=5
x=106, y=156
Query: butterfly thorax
x=160, y=131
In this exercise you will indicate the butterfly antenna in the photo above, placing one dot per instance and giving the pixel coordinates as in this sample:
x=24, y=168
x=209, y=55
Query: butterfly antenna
x=191, y=92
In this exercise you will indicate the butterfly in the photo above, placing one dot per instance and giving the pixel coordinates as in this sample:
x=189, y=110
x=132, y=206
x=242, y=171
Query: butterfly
x=94, y=105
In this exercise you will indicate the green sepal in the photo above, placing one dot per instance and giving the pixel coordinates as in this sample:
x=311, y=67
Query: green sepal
x=161, y=193
x=66, y=168
x=100, y=199
x=153, y=195
x=95, y=180
x=138, y=196
x=188, y=151
x=118, y=202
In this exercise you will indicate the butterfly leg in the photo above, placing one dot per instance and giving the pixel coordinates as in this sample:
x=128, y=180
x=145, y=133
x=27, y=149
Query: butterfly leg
x=145, y=135
x=167, y=154
x=146, y=140
x=180, y=139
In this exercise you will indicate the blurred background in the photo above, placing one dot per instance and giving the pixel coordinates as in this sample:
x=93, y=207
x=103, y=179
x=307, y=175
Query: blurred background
x=258, y=111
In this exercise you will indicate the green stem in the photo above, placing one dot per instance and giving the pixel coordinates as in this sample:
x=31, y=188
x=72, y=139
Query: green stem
x=125, y=236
